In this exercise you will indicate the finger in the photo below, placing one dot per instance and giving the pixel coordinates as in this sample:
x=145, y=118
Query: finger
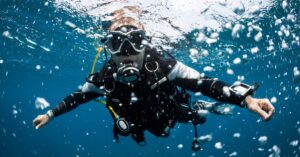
x=36, y=121
x=263, y=114
x=39, y=125
x=268, y=107
x=271, y=111
x=266, y=104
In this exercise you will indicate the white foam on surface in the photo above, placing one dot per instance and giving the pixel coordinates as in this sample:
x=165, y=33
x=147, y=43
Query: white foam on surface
x=236, y=29
x=201, y=37
x=170, y=18
x=228, y=25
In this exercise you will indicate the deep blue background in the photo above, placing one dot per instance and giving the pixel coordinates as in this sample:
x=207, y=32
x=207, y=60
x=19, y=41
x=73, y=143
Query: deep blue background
x=87, y=131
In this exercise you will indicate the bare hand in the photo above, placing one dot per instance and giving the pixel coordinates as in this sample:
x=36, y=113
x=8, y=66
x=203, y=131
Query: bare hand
x=263, y=107
x=40, y=121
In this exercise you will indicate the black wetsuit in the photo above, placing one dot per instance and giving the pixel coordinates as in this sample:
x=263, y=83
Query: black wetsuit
x=154, y=103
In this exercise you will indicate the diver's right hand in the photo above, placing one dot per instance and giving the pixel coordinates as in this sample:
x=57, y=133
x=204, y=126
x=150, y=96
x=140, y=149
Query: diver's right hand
x=40, y=121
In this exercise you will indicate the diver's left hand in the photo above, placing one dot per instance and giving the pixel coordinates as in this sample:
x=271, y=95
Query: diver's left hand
x=263, y=107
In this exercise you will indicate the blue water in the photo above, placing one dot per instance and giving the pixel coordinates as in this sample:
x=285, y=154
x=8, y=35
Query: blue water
x=87, y=131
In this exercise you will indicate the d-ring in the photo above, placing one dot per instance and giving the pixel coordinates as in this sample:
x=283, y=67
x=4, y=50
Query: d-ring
x=149, y=69
x=110, y=90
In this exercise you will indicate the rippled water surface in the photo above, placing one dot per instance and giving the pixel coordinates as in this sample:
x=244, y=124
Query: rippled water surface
x=47, y=49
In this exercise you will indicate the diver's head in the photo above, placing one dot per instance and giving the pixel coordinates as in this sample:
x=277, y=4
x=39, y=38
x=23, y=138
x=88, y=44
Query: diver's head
x=126, y=44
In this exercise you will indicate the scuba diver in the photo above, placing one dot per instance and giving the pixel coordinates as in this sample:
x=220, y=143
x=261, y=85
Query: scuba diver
x=147, y=90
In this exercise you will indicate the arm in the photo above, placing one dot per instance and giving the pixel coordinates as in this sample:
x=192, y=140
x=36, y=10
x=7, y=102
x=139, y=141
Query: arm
x=192, y=80
x=88, y=92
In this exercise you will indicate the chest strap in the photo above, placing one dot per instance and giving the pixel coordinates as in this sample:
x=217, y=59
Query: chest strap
x=159, y=82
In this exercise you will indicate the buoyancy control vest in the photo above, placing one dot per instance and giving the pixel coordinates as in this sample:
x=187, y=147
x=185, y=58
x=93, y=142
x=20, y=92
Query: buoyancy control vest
x=149, y=104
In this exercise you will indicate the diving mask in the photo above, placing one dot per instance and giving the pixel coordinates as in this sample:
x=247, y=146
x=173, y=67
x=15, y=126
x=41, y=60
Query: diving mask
x=134, y=37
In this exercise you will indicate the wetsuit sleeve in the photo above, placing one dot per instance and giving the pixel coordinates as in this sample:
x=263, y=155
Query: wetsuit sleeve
x=192, y=80
x=89, y=91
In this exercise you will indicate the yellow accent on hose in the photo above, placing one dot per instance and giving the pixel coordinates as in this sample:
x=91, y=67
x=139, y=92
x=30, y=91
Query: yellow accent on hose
x=101, y=101
x=96, y=58
x=113, y=112
x=92, y=71
x=109, y=107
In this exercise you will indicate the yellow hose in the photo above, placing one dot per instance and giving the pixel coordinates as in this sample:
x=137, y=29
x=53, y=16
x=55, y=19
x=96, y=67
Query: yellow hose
x=101, y=101
x=92, y=71
x=113, y=111
x=96, y=58
x=109, y=107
